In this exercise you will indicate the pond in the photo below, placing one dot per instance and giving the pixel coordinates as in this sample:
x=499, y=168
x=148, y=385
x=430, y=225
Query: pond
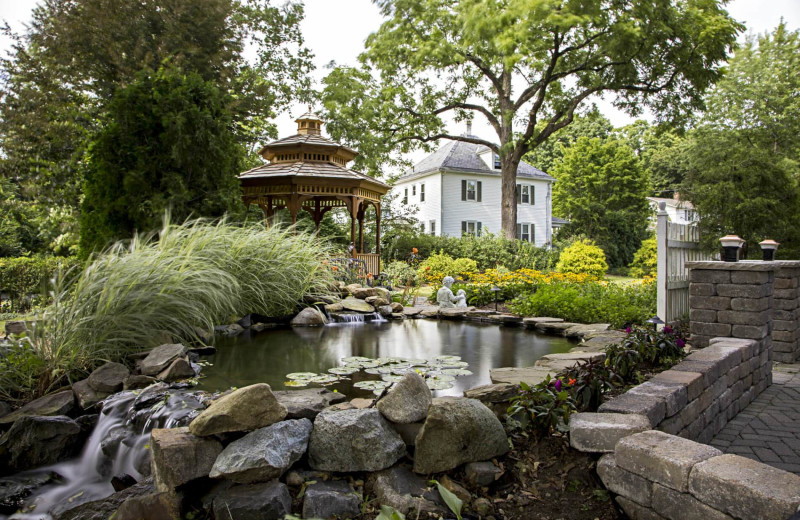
x=268, y=356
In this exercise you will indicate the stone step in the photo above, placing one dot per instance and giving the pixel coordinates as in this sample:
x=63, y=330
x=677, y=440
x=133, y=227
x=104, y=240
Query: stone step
x=554, y=327
x=531, y=322
x=558, y=362
x=515, y=375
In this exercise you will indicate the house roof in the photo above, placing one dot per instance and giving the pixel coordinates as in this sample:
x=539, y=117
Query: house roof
x=673, y=203
x=462, y=156
x=557, y=221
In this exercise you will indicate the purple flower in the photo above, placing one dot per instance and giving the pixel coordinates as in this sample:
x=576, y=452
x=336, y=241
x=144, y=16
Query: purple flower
x=668, y=330
x=558, y=385
x=627, y=330
x=680, y=342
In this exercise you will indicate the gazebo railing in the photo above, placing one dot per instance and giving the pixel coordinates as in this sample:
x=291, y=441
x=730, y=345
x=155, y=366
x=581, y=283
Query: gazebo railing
x=372, y=262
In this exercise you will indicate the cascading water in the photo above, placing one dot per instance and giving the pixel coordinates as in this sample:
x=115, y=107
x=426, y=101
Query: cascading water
x=346, y=317
x=117, y=446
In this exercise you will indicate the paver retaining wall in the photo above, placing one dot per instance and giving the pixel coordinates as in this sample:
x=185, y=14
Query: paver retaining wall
x=786, y=312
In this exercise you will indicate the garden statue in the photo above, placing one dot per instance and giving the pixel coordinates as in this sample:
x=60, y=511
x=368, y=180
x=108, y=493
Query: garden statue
x=445, y=297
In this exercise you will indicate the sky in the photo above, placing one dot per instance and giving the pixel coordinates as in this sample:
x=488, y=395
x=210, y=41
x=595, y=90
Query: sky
x=335, y=30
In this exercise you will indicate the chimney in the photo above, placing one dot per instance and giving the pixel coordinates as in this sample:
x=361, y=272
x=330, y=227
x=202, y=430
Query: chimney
x=469, y=127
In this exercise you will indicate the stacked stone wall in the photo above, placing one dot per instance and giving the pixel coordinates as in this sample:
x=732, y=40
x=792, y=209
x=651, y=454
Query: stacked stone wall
x=786, y=313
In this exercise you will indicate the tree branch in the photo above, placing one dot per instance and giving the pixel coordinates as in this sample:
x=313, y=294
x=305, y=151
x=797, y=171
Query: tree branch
x=462, y=138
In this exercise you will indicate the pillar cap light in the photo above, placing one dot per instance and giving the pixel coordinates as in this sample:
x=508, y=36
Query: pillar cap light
x=769, y=244
x=731, y=241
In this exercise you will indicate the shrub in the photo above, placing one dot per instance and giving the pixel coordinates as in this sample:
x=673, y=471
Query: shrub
x=645, y=261
x=591, y=302
x=583, y=257
x=434, y=268
x=136, y=295
x=542, y=408
x=400, y=273
x=27, y=277
x=511, y=283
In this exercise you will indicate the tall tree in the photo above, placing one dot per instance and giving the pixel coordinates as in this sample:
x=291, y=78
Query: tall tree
x=601, y=188
x=526, y=66
x=168, y=144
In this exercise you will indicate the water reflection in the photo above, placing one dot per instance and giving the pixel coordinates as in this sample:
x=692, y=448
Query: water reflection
x=267, y=357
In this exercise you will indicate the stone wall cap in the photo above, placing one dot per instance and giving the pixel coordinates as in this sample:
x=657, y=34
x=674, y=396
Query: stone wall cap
x=744, y=265
x=786, y=263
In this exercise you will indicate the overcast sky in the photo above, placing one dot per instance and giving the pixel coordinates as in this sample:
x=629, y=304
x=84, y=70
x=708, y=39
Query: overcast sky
x=335, y=30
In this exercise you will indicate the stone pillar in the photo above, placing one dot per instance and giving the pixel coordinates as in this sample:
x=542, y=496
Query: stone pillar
x=786, y=303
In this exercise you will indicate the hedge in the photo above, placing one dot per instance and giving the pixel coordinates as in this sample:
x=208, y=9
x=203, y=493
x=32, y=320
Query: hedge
x=23, y=278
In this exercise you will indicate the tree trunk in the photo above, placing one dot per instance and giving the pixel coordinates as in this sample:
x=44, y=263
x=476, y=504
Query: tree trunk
x=508, y=197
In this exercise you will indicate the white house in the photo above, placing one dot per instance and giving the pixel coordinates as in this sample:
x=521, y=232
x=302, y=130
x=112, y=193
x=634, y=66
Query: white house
x=457, y=190
x=679, y=211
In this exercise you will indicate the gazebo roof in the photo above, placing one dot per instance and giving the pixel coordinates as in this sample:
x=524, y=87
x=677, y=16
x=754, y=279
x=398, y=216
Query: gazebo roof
x=310, y=170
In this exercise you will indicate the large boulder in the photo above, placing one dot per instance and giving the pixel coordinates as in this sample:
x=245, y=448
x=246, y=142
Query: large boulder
x=103, y=509
x=179, y=369
x=332, y=499
x=86, y=395
x=16, y=488
x=161, y=357
x=57, y=403
x=152, y=506
x=353, y=440
x=308, y=317
x=407, y=401
x=458, y=431
x=356, y=305
x=242, y=410
x=409, y=494
x=264, y=501
x=179, y=457
x=108, y=378
x=34, y=441
x=362, y=293
x=307, y=402
x=264, y=454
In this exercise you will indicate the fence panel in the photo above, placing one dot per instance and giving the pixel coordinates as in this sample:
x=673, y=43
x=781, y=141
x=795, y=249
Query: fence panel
x=677, y=244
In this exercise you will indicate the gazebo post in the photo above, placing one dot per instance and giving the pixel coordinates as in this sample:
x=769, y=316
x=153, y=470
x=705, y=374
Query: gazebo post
x=317, y=215
x=361, y=212
x=378, y=229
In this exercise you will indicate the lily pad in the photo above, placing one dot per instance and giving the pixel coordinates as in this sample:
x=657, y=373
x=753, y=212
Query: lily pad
x=296, y=384
x=301, y=376
x=325, y=379
x=355, y=359
x=343, y=371
x=391, y=378
x=455, y=372
x=448, y=358
x=371, y=385
x=435, y=384
x=440, y=377
x=452, y=364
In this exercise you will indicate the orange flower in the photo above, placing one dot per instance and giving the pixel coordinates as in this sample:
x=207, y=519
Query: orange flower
x=414, y=250
x=428, y=268
x=370, y=275
x=572, y=381
x=335, y=268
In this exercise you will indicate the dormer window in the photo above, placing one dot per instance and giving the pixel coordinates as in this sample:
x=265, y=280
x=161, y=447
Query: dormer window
x=497, y=165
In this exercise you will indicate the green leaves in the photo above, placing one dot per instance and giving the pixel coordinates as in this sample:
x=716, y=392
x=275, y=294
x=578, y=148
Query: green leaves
x=453, y=502
x=390, y=513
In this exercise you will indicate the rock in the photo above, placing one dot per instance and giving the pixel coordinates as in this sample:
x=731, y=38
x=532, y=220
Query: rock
x=495, y=393
x=384, y=293
x=407, y=493
x=745, y=488
x=385, y=311
x=177, y=370
x=351, y=288
x=136, y=382
x=353, y=440
x=15, y=327
x=411, y=312
x=408, y=432
x=87, y=396
x=361, y=403
x=122, y=481
x=259, y=327
x=530, y=323
x=362, y=293
x=458, y=431
x=242, y=410
x=309, y=317
x=483, y=507
x=307, y=402
x=104, y=508
x=263, y=454
x=554, y=327
x=57, y=403
x=161, y=357
x=108, y=378
x=581, y=331
x=356, y=305
x=599, y=432
x=482, y=473
x=429, y=312
x=16, y=488
x=179, y=457
x=456, y=489
x=457, y=313
x=513, y=375
x=407, y=401
x=397, y=307
x=334, y=307
x=153, y=506
x=398, y=316
x=559, y=362
x=652, y=406
x=34, y=441
x=234, y=329
x=376, y=301
x=203, y=351
x=264, y=501
x=333, y=499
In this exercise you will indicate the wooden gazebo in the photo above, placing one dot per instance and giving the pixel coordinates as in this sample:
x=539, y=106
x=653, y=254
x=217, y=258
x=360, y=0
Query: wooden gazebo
x=309, y=172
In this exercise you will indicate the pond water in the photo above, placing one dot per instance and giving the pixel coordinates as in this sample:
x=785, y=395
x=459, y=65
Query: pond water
x=268, y=356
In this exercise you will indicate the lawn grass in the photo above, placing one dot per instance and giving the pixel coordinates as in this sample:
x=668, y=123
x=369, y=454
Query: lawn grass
x=621, y=280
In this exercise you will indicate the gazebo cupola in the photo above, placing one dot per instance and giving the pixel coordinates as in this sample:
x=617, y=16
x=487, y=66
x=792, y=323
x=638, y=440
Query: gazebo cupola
x=309, y=172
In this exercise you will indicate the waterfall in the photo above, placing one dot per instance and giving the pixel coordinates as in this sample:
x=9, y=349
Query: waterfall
x=117, y=445
x=355, y=317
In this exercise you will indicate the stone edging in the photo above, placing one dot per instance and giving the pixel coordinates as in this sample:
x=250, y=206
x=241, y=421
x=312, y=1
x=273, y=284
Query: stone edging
x=654, y=439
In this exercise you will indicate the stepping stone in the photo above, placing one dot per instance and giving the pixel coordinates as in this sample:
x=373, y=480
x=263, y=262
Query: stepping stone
x=556, y=328
x=531, y=322
x=514, y=375
x=559, y=362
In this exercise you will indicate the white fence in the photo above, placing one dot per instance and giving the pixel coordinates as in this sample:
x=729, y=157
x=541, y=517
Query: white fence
x=677, y=244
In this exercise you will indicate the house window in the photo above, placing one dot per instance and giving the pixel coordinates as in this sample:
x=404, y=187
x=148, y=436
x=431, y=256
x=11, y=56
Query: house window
x=525, y=194
x=525, y=232
x=422, y=193
x=414, y=190
x=471, y=227
x=405, y=196
x=497, y=165
x=471, y=190
x=432, y=225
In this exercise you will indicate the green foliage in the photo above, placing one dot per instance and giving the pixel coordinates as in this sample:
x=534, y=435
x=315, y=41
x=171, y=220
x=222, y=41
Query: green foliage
x=591, y=302
x=589, y=381
x=145, y=162
x=644, y=349
x=434, y=268
x=136, y=295
x=543, y=408
x=453, y=502
x=490, y=251
x=583, y=257
x=390, y=513
x=400, y=273
x=27, y=279
x=645, y=261
x=601, y=189
x=434, y=60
